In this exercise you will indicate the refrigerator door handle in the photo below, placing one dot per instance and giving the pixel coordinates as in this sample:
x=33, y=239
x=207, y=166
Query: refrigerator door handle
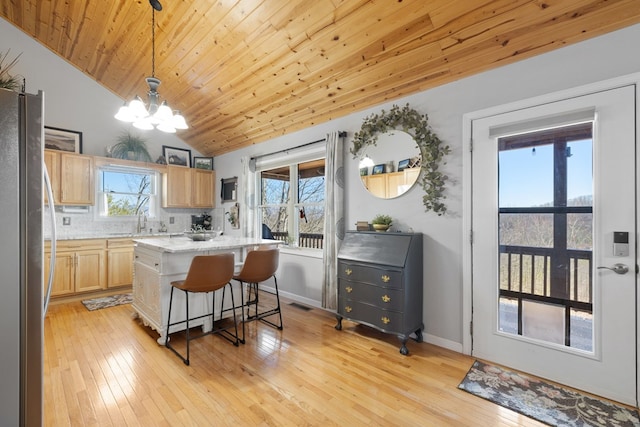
x=52, y=260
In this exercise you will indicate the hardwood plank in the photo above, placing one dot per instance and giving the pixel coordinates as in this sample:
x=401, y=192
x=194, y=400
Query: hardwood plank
x=104, y=368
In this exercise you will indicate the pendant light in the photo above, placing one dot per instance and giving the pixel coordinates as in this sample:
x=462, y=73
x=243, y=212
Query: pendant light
x=157, y=115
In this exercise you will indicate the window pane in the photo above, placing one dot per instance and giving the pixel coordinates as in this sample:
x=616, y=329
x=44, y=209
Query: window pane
x=579, y=173
x=526, y=230
x=277, y=219
x=311, y=181
x=120, y=182
x=526, y=176
x=275, y=186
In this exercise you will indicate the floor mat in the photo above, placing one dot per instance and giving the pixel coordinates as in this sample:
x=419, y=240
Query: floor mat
x=105, y=302
x=543, y=401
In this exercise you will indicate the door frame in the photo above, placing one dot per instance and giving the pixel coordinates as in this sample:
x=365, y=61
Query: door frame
x=467, y=205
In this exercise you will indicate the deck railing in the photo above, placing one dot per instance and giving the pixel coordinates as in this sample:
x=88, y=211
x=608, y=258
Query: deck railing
x=305, y=240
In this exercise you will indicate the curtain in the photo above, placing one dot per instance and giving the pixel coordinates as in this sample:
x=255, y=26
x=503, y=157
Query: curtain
x=247, y=212
x=334, y=226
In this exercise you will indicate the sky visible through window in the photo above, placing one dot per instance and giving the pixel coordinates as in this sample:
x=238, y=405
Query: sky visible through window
x=526, y=178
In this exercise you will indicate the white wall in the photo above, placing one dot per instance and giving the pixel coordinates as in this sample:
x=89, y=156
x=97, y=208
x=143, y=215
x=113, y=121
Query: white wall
x=591, y=61
x=74, y=101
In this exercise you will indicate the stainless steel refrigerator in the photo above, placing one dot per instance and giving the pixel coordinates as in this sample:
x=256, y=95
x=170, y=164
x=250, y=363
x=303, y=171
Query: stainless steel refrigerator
x=21, y=258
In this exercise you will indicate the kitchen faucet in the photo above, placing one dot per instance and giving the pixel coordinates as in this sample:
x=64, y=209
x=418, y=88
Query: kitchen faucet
x=143, y=225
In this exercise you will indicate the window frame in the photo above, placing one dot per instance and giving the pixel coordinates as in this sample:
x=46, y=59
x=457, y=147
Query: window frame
x=153, y=206
x=290, y=159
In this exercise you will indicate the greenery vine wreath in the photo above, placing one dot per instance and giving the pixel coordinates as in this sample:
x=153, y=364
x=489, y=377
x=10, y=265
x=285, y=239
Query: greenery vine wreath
x=431, y=148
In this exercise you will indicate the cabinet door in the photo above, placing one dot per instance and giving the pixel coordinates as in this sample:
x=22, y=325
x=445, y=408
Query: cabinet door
x=76, y=179
x=377, y=185
x=63, y=275
x=176, y=188
x=203, y=182
x=120, y=267
x=52, y=161
x=90, y=270
x=395, y=184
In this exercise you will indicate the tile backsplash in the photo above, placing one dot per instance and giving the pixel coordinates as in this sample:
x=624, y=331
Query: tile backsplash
x=81, y=222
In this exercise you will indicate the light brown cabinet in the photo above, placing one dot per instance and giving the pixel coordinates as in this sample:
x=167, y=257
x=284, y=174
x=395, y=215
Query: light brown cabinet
x=119, y=262
x=390, y=185
x=72, y=178
x=79, y=266
x=184, y=187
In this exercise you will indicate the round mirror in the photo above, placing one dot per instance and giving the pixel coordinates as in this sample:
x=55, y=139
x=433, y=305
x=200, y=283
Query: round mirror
x=392, y=166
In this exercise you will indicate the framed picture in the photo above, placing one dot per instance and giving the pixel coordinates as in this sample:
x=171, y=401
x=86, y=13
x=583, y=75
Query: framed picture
x=228, y=189
x=403, y=164
x=203, y=163
x=177, y=156
x=364, y=171
x=377, y=169
x=62, y=139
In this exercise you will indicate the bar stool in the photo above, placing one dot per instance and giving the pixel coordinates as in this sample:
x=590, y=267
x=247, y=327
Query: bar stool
x=259, y=266
x=207, y=274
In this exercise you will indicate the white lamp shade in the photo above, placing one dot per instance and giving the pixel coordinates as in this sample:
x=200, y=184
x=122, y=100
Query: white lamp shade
x=164, y=113
x=179, y=122
x=124, y=114
x=137, y=108
x=166, y=127
x=144, y=124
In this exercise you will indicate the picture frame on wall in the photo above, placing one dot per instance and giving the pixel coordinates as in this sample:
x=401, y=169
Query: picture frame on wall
x=203, y=163
x=62, y=139
x=177, y=156
x=377, y=169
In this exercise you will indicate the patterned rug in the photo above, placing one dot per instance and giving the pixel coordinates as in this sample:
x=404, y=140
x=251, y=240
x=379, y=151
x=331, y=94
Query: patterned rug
x=105, y=302
x=545, y=402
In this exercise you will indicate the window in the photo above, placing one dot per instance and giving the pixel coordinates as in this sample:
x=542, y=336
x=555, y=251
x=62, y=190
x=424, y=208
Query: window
x=126, y=191
x=298, y=219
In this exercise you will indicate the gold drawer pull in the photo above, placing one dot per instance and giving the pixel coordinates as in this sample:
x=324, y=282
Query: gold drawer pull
x=348, y=289
x=385, y=278
x=348, y=271
x=348, y=309
x=386, y=298
x=385, y=320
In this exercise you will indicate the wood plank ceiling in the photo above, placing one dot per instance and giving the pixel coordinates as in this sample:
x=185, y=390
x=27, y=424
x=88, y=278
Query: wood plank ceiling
x=245, y=71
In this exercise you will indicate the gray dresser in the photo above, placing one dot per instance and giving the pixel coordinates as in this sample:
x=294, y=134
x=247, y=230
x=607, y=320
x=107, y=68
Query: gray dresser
x=380, y=282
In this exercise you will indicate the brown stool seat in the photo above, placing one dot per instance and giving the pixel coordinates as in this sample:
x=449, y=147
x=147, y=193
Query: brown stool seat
x=259, y=266
x=207, y=274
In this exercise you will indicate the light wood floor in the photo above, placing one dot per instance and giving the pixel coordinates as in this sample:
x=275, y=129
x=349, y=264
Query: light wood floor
x=103, y=368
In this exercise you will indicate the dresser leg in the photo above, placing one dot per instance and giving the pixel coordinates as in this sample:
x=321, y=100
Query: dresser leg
x=404, y=350
x=418, y=335
x=339, y=324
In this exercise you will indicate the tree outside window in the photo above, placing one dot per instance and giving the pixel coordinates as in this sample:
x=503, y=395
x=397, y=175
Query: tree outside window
x=298, y=221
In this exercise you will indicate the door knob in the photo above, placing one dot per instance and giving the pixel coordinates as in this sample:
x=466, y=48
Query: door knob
x=617, y=268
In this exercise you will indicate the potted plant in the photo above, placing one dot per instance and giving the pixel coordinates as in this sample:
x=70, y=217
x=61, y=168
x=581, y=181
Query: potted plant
x=8, y=81
x=131, y=147
x=381, y=222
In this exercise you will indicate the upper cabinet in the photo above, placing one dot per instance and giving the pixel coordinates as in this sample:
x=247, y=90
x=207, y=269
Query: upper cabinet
x=183, y=187
x=72, y=178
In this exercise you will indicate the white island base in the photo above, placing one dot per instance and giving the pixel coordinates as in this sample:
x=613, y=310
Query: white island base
x=159, y=261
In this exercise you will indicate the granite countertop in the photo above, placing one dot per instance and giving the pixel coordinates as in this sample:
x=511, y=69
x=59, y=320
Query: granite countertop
x=182, y=243
x=107, y=235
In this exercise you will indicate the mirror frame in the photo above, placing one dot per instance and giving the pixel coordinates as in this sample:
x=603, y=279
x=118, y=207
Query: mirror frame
x=432, y=149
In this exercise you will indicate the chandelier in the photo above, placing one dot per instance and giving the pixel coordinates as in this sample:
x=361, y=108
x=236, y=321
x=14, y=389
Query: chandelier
x=156, y=115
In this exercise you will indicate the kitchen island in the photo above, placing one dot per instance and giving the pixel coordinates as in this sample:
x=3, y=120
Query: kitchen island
x=159, y=261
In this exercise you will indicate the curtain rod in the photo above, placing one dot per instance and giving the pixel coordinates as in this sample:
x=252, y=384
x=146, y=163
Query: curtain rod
x=341, y=134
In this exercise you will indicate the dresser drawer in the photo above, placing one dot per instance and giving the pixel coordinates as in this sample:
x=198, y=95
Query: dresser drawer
x=385, y=320
x=386, y=298
x=380, y=276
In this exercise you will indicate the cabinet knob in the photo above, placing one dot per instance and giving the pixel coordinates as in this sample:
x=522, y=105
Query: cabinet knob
x=348, y=289
x=385, y=320
x=348, y=309
x=386, y=298
x=385, y=278
x=348, y=271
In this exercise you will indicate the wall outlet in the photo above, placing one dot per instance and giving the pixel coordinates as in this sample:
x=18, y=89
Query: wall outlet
x=172, y=220
x=66, y=220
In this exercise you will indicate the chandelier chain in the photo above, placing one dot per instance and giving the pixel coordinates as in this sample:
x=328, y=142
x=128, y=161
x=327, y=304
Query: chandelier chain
x=153, y=42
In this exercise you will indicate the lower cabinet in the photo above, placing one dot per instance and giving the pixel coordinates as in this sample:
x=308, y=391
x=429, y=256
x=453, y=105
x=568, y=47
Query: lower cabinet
x=119, y=262
x=79, y=266
x=89, y=265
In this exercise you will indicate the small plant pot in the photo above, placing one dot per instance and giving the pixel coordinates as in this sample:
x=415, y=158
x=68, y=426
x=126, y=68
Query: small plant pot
x=380, y=227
